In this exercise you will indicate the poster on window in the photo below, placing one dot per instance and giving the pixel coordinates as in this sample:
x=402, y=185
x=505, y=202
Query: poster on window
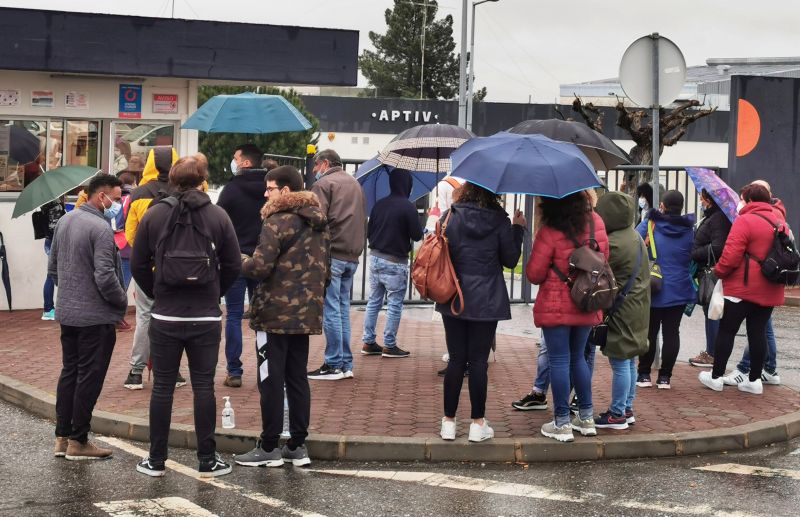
x=130, y=101
x=9, y=97
x=76, y=100
x=42, y=99
x=165, y=103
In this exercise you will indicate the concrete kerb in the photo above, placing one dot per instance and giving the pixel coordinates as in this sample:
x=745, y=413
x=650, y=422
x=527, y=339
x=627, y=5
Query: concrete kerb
x=378, y=448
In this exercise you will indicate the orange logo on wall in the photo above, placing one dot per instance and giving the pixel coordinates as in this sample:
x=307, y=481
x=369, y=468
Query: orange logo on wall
x=748, y=128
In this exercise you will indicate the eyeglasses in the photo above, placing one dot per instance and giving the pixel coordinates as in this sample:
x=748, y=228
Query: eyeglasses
x=270, y=189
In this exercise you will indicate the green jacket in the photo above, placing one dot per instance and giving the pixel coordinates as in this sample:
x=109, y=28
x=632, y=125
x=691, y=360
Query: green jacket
x=627, y=328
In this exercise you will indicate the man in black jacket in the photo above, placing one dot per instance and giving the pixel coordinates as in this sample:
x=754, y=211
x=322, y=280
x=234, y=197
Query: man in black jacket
x=242, y=199
x=393, y=224
x=185, y=316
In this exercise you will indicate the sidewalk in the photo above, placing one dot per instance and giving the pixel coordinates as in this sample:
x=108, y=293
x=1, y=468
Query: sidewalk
x=392, y=408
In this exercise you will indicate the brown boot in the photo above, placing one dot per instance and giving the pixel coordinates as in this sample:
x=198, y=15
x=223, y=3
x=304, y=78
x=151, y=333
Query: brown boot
x=60, y=449
x=233, y=381
x=78, y=451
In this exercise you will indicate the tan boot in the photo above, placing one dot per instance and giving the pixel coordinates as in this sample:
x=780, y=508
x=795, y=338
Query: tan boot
x=78, y=451
x=60, y=449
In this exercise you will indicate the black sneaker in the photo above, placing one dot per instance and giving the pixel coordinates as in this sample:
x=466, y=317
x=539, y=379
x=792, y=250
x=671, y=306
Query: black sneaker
x=214, y=467
x=134, y=381
x=371, y=349
x=629, y=417
x=663, y=382
x=326, y=373
x=152, y=468
x=643, y=380
x=394, y=351
x=531, y=401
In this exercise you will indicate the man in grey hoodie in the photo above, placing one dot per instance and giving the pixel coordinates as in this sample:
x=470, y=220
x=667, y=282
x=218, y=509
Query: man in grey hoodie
x=86, y=267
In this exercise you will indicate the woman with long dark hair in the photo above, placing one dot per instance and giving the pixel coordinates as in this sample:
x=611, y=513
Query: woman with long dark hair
x=566, y=224
x=482, y=241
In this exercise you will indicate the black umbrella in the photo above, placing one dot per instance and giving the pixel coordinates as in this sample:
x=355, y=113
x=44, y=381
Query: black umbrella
x=601, y=150
x=24, y=146
x=424, y=148
x=6, y=275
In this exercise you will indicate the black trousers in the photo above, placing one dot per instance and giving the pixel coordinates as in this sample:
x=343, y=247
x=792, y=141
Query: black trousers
x=667, y=319
x=286, y=356
x=85, y=356
x=168, y=340
x=467, y=342
x=732, y=317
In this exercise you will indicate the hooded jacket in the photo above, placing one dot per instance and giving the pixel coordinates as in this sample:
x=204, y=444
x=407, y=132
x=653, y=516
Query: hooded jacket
x=674, y=236
x=394, y=221
x=155, y=176
x=554, y=306
x=710, y=236
x=628, y=326
x=242, y=198
x=291, y=261
x=482, y=241
x=344, y=206
x=187, y=302
x=752, y=235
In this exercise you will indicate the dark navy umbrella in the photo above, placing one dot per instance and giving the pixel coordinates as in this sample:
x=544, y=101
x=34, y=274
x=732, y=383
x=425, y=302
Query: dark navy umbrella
x=508, y=163
x=24, y=146
x=5, y=273
x=374, y=179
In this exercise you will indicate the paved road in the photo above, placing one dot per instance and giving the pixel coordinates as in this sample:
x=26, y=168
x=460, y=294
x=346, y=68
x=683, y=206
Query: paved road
x=760, y=482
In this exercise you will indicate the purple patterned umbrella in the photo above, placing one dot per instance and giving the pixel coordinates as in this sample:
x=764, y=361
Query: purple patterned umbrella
x=725, y=197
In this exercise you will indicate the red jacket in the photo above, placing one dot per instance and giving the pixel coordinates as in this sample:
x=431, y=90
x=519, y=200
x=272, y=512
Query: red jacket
x=554, y=306
x=752, y=234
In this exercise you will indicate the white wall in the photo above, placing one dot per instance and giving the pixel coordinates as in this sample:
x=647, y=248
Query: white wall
x=354, y=146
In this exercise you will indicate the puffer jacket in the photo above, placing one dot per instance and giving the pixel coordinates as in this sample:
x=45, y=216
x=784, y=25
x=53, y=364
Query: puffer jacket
x=242, y=198
x=554, y=306
x=628, y=326
x=482, y=241
x=291, y=260
x=155, y=177
x=674, y=235
x=752, y=235
x=710, y=236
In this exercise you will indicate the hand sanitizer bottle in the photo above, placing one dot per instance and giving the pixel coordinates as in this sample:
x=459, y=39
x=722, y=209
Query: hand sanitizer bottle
x=228, y=419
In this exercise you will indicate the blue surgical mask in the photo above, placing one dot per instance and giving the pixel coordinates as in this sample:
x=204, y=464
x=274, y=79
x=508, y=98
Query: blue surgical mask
x=642, y=203
x=234, y=167
x=112, y=212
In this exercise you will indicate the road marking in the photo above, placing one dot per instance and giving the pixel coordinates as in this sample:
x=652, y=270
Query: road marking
x=162, y=507
x=192, y=473
x=530, y=491
x=735, y=468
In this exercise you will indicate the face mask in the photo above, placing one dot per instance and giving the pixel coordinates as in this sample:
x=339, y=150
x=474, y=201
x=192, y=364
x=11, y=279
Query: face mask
x=642, y=203
x=113, y=211
x=234, y=167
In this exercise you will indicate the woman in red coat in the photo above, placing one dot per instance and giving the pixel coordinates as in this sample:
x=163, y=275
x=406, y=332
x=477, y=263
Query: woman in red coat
x=748, y=294
x=564, y=326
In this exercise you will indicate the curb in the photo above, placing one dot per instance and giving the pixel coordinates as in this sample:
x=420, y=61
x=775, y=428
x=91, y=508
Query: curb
x=380, y=448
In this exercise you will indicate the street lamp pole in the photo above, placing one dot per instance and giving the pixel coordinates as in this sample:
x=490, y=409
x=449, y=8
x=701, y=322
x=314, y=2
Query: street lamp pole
x=472, y=62
x=462, y=72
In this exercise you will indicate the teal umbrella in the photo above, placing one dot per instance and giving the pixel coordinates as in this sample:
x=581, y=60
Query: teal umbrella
x=52, y=185
x=247, y=113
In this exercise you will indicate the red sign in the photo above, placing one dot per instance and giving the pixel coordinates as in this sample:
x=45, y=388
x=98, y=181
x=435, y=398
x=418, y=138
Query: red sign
x=165, y=103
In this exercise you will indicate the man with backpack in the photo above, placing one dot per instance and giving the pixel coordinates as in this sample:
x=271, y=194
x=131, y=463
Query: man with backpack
x=185, y=256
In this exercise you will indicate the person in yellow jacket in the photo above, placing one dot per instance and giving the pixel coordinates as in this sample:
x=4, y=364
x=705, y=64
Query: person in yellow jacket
x=154, y=184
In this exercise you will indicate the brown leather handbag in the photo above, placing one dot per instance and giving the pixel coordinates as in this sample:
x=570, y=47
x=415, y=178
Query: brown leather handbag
x=433, y=274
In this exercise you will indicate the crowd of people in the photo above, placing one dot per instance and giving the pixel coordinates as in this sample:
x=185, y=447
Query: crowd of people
x=290, y=256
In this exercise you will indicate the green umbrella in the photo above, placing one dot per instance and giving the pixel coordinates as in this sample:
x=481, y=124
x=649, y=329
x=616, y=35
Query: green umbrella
x=52, y=185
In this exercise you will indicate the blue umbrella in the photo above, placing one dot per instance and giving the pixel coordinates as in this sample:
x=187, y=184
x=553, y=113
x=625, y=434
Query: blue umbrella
x=508, y=163
x=247, y=113
x=374, y=179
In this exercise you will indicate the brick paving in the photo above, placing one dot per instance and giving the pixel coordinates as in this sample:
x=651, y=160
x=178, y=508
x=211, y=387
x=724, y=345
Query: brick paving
x=398, y=397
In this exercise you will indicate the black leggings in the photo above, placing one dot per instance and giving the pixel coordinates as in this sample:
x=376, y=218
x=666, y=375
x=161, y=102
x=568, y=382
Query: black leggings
x=670, y=319
x=467, y=342
x=732, y=317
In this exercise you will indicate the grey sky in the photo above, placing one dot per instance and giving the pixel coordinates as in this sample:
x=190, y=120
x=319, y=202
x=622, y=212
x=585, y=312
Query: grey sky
x=523, y=47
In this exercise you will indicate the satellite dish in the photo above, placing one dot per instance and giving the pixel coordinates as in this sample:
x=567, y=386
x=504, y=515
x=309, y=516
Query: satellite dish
x=636, y=71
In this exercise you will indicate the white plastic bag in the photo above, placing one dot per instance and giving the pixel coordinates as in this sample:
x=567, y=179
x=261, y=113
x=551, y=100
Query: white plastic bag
x=717, y=302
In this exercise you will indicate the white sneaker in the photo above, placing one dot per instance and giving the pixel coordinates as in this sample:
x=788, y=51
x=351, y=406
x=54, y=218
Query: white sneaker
x=770, y=378
x=479, y=433
x=347, y=374
x=755, y=387
x=562, y=434
x=709, y=382
x=734, y=378
x=448, y=431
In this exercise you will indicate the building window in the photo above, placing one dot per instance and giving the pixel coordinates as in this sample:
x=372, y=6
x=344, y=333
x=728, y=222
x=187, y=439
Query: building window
x=353, y=139
x=365, y=140
x=133, y=142
x=15, y=176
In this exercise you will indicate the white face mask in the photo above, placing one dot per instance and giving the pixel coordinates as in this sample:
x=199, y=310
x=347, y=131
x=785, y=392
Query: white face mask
x=642, y=203
x=234, y=167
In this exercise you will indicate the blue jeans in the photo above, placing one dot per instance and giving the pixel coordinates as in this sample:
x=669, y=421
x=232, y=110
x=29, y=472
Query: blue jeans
x=336, y=315
x=388, y=279
x=542, y=381
x=712, y=329
x=566, y=349
x=770, y=360
x=126, y=272
x=623, y=385
x=234, y=307
x=49, y=286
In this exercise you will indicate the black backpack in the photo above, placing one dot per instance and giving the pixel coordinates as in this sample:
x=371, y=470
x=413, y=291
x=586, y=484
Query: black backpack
x=782, y=263
x=185, y=253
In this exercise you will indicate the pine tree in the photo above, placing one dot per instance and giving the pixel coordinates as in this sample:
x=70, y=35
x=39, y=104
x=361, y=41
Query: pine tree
x=394, y=68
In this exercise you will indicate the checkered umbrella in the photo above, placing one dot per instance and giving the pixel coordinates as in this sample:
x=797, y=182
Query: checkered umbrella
x=424, y=148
